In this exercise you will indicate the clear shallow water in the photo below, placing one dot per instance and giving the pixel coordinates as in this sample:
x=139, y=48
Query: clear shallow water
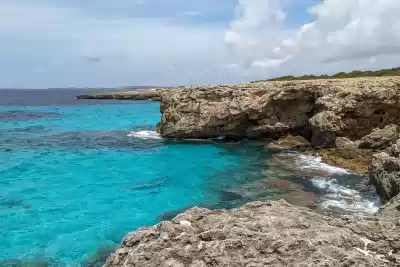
x=77, y=176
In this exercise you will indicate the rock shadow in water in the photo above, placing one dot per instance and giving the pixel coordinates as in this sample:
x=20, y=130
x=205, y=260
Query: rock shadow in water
x=169, y=215
x=34, y=262
x=153, y=184
x=13, y=202
x=20, y=115
x=99, y=258
x=92, y=140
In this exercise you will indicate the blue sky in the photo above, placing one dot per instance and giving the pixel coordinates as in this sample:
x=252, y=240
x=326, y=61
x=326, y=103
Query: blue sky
x=65, y=43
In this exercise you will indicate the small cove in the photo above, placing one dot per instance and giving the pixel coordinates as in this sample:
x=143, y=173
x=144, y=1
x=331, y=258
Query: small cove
x=76, y=177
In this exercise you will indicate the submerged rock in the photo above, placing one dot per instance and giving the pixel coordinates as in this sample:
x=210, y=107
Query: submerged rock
x=22, y=115
x=34, y=262
x=260, y=234
x=98, y=258
x=289, y=143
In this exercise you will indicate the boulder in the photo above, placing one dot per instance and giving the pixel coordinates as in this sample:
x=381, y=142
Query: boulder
x=384, y=173
x=346, y=148
x=380, y=138
x=260, y=234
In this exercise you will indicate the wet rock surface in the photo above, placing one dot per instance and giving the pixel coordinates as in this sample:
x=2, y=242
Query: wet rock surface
x=261, y=234
x=298, y=143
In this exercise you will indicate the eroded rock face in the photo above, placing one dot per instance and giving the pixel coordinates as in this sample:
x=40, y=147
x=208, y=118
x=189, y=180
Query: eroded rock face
x=385, y=174
x=319, y=110
x=260, y=234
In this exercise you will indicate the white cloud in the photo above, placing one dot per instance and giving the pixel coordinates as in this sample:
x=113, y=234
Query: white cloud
x=364, y=34
x=65, y=43
x=192, y=13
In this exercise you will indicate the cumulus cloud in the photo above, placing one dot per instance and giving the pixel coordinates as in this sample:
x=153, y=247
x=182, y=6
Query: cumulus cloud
x=364, y=34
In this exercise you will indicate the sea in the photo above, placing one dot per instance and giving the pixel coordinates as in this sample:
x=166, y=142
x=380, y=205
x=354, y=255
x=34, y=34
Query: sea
x=77, y=175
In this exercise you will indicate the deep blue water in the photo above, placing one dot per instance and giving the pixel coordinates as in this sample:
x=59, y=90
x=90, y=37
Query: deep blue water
x=76, y=176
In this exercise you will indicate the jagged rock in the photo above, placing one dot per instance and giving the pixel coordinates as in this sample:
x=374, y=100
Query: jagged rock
x=260, y=234
x=289, y=143
x=385, y=175
x=380, y=138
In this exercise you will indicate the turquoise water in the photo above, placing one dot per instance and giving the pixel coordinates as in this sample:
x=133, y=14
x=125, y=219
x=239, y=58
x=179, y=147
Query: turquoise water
x=76, y=176
x=73, y=181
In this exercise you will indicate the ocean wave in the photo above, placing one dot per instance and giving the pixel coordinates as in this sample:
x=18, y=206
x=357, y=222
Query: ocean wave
x=315, y=163
x=338, y=196
x=145, y=134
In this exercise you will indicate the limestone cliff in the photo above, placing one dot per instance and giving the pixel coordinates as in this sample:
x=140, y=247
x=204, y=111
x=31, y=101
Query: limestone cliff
x=319, y=110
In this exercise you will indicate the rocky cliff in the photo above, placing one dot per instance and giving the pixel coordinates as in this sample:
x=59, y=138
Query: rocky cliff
x=319, y=110
x=355, y=119
x=261, y=234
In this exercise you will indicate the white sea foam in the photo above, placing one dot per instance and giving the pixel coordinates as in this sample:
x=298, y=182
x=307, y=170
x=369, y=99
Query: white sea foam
x=338, y=196
x=315, y=163
x=145, y=134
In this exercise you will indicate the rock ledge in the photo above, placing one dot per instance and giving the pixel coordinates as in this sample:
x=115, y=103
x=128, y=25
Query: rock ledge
x=260, y=234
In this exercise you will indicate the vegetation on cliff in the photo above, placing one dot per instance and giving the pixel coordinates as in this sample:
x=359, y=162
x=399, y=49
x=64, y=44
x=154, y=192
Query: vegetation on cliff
x=342, y=75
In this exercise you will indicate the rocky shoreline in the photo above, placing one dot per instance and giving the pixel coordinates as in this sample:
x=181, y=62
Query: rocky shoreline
x=140, y=94
x=349, y=122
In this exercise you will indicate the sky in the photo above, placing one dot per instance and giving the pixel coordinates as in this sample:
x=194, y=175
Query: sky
x=103, y=43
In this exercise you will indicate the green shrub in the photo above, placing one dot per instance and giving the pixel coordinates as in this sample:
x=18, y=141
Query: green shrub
x=341, y=75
